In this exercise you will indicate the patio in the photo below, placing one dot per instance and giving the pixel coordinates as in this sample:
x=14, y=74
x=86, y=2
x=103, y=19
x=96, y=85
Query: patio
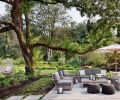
x=79, y=93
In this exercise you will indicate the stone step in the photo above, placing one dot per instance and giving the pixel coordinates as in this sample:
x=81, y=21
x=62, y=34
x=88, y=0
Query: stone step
x=33, y=97
x=16, y=97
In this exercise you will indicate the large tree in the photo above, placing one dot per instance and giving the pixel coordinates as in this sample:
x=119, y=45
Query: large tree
x=45, y=21
x=107, y=9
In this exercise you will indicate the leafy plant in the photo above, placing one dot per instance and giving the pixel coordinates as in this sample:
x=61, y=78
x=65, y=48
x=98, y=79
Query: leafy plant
x=37, y=55
x=19, y=76
x=6, y=81
x=75, y=62
x=110, y=74
x=61, y=61
x=97, y=59
x=37, y=85
x=18, y=61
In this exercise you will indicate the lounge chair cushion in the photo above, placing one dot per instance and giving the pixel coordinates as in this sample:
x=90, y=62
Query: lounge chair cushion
x=82, y=72
x=96, y=71
x=61, y=74
x=88, y=71
x=103, y=72
x=56, y=76
x=62, y=83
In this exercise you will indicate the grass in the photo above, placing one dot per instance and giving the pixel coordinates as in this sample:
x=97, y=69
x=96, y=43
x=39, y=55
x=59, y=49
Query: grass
x=48, y=71
x=42, y=68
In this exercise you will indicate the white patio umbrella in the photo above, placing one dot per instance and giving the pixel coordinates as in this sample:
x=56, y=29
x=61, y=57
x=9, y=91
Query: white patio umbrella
x=115, y=48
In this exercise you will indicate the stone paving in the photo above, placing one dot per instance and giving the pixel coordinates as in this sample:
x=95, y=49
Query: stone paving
x=33, y=97
x=30, y=97
x=79, y=93
x=15, y=97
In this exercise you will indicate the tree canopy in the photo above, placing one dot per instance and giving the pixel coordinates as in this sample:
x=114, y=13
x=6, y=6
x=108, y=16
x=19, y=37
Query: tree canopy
x=73, y=40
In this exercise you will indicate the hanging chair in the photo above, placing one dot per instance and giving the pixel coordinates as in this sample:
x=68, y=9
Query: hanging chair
x=8, y=67
x=7, y=70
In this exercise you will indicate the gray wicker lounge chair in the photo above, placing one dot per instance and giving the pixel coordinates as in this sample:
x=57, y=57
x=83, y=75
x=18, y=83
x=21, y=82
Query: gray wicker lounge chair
x=65, y=84
x=116, y=83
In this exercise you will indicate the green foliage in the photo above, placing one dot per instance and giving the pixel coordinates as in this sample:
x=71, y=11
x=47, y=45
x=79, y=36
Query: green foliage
x=46, y=20
x=19, y=76
x=37, y=85
x=110, y=74
x=38, y=55
x=27, y=6
x=9, y=46
x=2, y=45
x=75, y=61
x=1, y=60
x=6, y=81
x=6, y=62
x=44, y=24
x=73, y=46
x=18, y=61
x=79, y=33
x=73, y=72
x=61, y=61
x=97, y=59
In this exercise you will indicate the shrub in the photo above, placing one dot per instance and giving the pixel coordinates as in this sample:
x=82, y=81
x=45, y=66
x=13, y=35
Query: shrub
x=73, y=72
x=75, y=62
x=37, y=55
x=37, y=85
x=6, y=81
x=19, y=76
x=62, y=68
x=1, y=61
x=18, y=61
x=111, y=75
x=97, y=59
x=9, y=80
x=61, y=61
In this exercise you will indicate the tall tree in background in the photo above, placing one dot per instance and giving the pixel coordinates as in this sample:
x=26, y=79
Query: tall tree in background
x=46, y=19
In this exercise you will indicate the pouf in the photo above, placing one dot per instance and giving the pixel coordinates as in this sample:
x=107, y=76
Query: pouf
x=108, y=89
x=93, y=88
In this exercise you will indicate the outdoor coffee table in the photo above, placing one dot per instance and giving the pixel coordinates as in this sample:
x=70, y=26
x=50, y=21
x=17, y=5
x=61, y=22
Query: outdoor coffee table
x=98, y=81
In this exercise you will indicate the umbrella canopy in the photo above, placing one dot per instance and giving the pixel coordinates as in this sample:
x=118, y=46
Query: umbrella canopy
x=115, y=48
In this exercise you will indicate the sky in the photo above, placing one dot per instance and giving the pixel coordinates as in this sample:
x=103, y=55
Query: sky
x=2, y=8
x=72, y=12
x=76, y=15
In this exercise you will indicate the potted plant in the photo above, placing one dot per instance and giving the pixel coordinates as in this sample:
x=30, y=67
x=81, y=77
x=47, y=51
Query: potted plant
x=110, y=75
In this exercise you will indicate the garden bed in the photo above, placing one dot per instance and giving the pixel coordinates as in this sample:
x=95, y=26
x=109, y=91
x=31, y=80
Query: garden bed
x=23, y=88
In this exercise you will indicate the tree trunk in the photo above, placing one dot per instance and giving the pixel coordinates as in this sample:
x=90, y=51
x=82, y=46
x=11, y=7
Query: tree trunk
x=49, y=55
x=16, y=16
x=27, y=33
